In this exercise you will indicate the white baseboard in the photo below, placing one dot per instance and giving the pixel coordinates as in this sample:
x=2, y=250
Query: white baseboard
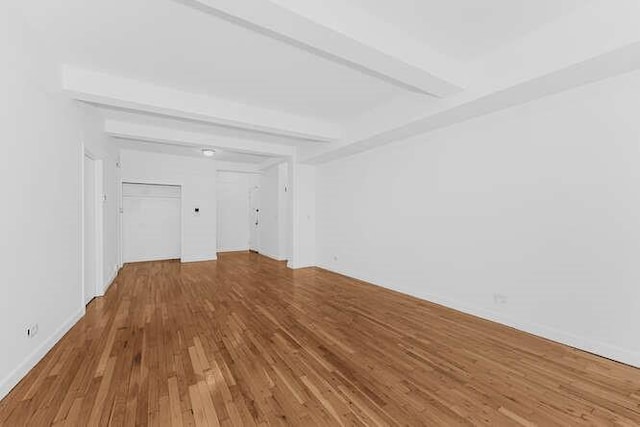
x=582, y=343
x=273, y=257
x=17, y=374
x=224, y=250
x=300, y=266
x=110, y=281
x=609, y=351
x=152, y=259
x=198, y=259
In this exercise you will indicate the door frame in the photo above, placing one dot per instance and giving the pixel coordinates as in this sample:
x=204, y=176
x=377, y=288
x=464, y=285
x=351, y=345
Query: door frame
x=254, y=218
x=99, y=223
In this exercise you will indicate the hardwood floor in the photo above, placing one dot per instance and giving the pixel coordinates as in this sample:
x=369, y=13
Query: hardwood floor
x=244, y=341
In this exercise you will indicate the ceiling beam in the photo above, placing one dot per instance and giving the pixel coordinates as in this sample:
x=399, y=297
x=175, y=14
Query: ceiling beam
x=619, y=61
x=543, y=63
x=267, y=164
x=224, y=166
x=345, y=37
x=125, y=130
x=112, y=91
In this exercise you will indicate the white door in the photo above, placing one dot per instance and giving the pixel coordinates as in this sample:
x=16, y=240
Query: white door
x=89, y=227
x=254, y=218
x=151, y=222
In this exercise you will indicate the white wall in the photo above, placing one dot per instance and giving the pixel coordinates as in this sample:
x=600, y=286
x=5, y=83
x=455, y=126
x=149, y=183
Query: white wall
x=254, y=215
x=539, y=204
x=274, y=207
x=303, y=217
x=40, y=222
x=234, y=218
x=102, y=147
x=91, y=262
x=197, y=176
x=284, y=212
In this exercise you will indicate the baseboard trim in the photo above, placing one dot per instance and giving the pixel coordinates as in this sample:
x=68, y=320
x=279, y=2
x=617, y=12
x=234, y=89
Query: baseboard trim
x=233, y=251
x=273, y=257
x=601, y=349
x=198, y=259
x=152, y=259
x=37, y=355
x=109, y=282
x=299, y=266
x=581, y=343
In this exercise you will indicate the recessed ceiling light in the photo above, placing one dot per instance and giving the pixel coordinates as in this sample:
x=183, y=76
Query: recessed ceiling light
x=208, y=153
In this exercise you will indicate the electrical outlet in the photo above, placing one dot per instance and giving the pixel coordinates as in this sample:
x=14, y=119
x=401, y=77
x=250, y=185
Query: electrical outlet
x=499, y=299
x=32, y=330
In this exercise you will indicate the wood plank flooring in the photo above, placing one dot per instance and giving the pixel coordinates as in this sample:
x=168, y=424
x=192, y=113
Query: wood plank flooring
x=244, y=341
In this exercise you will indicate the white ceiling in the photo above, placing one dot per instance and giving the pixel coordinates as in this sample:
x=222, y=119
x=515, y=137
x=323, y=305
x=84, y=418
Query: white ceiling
x=464, y=29
x=200, y=127
x=178, y=150
x=168, y=43
x=321, y=79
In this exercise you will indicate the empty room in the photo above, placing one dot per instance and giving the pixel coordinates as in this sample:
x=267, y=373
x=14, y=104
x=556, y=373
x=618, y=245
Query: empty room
x=320, y=213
